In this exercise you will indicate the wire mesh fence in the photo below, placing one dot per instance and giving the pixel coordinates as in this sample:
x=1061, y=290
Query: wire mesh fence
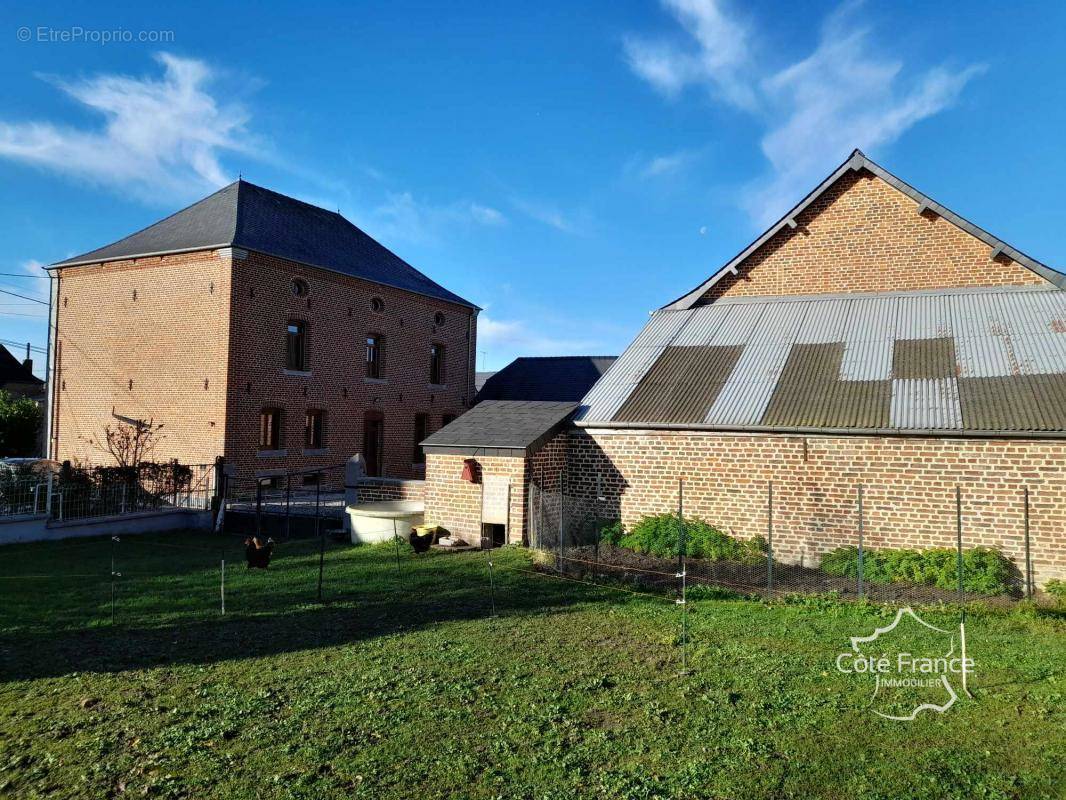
x=23, y=492
x=580, y=536
x=81, y=493
x=297, y=504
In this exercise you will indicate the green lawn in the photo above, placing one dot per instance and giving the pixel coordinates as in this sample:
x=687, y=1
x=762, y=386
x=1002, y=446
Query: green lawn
x=402, y=685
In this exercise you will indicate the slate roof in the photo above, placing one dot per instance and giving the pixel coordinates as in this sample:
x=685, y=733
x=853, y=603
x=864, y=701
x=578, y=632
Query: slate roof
x=559, y=378
x=950, y=361
x=856, y=161
x=518, y=427
x=13, y=371
x=253, y=218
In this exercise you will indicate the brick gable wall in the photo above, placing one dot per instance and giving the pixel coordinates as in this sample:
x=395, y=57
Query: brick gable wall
x=908, y=484
x=148, y=339
x=863, y=235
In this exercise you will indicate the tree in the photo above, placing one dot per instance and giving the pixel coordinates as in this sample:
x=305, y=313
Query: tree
x=20, y=426
x=130, y=443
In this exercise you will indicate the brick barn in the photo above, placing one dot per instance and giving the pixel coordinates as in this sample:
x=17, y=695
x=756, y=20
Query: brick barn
x=261, y=328
x=871, y=336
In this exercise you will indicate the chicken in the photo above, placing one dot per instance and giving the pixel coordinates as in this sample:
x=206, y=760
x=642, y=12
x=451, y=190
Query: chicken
x=421, y=542
x=257, y=552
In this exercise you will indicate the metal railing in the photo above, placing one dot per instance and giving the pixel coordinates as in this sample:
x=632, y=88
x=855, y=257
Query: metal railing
x=23, y=494
x=115, y=491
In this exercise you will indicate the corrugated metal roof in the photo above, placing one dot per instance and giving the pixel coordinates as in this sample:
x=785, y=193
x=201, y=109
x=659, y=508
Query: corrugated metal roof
x=953, y=360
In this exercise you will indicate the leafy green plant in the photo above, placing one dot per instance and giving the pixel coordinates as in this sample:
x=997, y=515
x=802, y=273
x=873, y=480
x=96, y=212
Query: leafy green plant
x=660, y=535
x=1057, y=589
x=20, y=425
x=985, y=570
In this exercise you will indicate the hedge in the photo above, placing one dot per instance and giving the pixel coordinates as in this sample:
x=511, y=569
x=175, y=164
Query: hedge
x=658, y=536
x=985, y=570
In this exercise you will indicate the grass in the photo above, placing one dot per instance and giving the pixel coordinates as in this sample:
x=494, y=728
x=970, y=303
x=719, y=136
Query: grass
x=402, y=685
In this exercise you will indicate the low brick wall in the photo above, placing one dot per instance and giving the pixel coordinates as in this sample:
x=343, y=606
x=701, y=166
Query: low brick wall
x=909, y=488
x=373, y=490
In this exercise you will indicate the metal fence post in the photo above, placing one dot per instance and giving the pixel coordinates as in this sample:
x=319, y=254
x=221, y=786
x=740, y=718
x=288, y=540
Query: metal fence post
x=288, y=500
x=113, y=575
x=682, y=546
x=962, y=619
x=770, y=537
x=48, y=497
x=258, y=507
x=318, y=532
x=561, y=528
x=860, y=541
x=222, y=584
x=958, y=538
x=1028, y=553
x=492, y=584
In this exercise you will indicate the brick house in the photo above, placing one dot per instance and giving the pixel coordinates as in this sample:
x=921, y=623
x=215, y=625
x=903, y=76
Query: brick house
x=261, y=328
x=871, y=336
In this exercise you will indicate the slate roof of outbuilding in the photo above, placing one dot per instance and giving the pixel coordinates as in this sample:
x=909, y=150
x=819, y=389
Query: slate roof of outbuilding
x=515, y=425
x=253, y=218
x=558, y=378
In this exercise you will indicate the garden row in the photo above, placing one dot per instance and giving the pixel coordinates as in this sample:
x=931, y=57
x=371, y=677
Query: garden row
x=985, y=570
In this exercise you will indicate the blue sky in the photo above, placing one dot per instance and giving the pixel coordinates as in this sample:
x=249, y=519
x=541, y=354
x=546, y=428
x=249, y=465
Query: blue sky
x=568, y=167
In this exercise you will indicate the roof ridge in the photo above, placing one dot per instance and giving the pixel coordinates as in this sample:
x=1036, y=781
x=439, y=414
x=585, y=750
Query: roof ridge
x=544, y=358
x=290, y=198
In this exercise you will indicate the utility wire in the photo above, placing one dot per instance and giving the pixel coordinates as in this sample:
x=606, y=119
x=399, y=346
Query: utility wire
x=24, y=275
x=24, y=297
x=13, y=343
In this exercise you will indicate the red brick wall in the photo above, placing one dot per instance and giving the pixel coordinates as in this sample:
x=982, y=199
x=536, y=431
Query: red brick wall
x=338, y=317
x=170, y=341
x=374, y=490
x=455, y=504
x=179, y=332
x=908, y=484
x=863, y=235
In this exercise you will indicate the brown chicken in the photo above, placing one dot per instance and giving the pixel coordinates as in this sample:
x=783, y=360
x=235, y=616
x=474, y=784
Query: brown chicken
x=257, y=552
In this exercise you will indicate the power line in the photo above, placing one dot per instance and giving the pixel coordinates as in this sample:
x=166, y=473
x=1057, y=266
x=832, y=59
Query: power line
x=13, y=343
x=24, y=297
x=24, y=275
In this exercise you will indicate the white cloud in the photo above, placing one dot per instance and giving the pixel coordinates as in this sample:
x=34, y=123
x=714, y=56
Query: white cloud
x=816, y=110
x=486, y=215
x=661, y=166
x=405, y=217
x=161, y=136
x=507, y=339
x=719, y=58
x=545, y=214
x=33, y=267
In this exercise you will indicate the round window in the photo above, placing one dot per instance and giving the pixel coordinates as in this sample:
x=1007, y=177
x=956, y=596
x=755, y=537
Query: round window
x=300, y=287
x=377, y=304
x=438, y=319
